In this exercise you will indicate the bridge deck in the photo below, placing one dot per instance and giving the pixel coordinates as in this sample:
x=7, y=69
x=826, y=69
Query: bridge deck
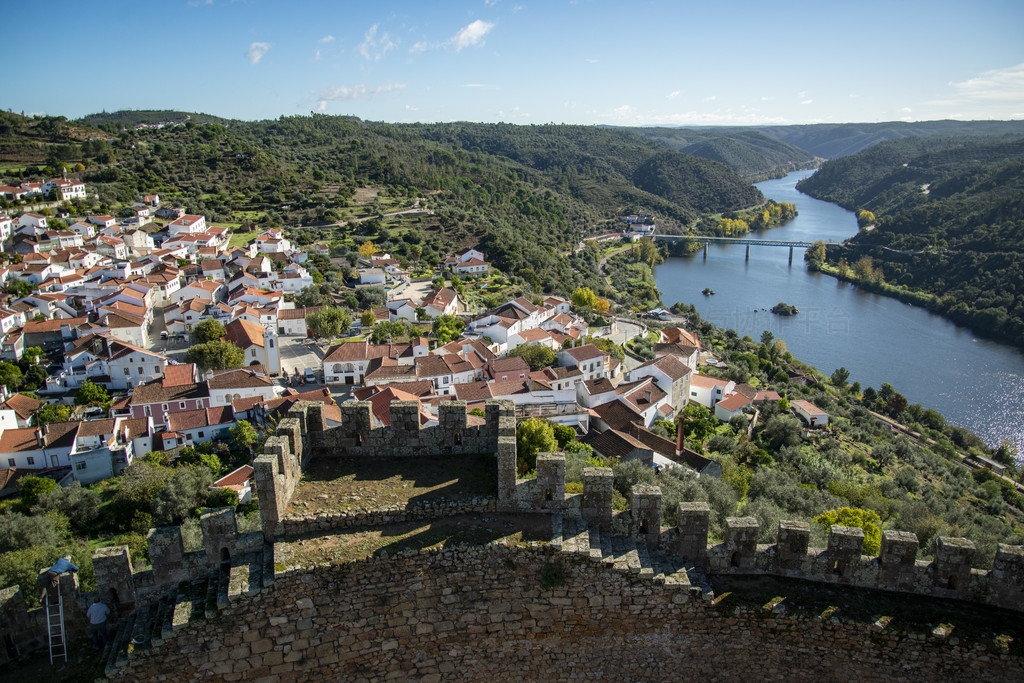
x=708, y=239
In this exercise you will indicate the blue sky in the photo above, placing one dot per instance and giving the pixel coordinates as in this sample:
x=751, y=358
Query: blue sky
x=658, y=62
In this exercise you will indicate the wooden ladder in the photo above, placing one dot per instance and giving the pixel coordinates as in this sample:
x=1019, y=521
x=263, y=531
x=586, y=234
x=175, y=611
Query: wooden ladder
x=55, y=626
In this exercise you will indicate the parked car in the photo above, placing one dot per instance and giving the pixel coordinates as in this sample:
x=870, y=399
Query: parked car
x=310, y=375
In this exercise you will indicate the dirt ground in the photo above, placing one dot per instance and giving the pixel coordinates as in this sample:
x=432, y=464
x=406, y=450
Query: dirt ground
x=361, y=543
x=359, y=484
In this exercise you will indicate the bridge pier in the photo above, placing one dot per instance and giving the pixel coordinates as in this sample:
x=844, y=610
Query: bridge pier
x=748, y=252
x=791, y=256
x=705, y=251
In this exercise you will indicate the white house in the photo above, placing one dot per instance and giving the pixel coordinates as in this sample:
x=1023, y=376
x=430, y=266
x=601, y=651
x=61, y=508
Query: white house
x=708, y=391
x=187, y=225
x=231, y=385
x=812, y=414
x=591, y=361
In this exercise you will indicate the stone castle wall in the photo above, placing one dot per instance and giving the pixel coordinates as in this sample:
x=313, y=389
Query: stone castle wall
x=493, y=613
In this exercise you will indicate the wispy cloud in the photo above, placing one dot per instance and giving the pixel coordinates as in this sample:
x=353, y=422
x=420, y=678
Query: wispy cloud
x=197, y=3
x=471, y=34
x=326, y=39
x=807, y=102
x=478, y=85
x=374, y=47
x=674, y=94
x=256, y=51
x=997, y=84
x=710, y=98
x=591, y=60
x=409, y=107
x=355, y=92
x=419, y=46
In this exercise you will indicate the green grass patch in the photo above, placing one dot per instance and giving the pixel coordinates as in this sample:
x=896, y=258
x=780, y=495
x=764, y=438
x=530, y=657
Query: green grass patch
x=241, y=239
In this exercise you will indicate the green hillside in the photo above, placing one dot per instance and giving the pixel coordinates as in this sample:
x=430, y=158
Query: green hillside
x=831, y=140
x=525, y=194
x=750, y=153
x=950, y=224
x=135, y=117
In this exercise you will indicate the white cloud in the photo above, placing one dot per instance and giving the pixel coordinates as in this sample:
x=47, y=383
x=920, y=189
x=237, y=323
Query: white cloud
x=256, y=51
x=997, y=84
x=807, y=102
x=710, y=98
x=516, y=9
x=326, y=39
x=592, y=61
x=373, y=47
x=316, y=55
x=356, y=92
x=672, y=95
x=421, y=46
x=477, y=85
x=906, y=110
x=471, y=34
x=409, y=107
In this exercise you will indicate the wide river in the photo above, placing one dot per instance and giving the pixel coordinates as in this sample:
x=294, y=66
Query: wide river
x=973, y=382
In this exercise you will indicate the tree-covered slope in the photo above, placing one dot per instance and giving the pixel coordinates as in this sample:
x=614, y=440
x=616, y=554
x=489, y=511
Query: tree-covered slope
x=750, y=153
x=135, y=117
x=831, y=140
x=526, y=194
x=950, y=222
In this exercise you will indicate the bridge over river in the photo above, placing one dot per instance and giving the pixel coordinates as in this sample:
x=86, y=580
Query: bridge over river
x=708, y=239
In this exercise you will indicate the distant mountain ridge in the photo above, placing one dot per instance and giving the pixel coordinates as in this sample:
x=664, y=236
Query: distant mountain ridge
x=750, y=153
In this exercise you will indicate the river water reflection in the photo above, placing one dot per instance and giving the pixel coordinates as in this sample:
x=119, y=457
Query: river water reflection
x=973, y=382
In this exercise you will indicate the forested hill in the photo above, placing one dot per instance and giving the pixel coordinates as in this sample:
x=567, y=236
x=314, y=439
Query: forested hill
x=950, y=222
x=525, y=194
x=604, y=165
x=832, y=140
x=750, y=153
x=134, y=117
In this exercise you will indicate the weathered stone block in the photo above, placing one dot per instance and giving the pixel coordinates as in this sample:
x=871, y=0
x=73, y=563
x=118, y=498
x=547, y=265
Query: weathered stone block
x=691, y=541
x=741, y=541
x=506, y=457
x=550, y=483
x=114, y=579
x=953, y=560
x=291, y=429
x=791, y=546
x=1006, y=579
x=897, y=558
x=598, y=489
x=166, y=552
x=645, y=510
x=220, y=535
x=845, y=545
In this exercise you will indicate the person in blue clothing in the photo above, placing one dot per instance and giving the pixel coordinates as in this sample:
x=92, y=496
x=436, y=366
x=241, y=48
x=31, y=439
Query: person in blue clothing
x=51, y=577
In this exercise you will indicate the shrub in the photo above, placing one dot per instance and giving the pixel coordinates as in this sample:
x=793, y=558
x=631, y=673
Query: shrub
x=868, y=520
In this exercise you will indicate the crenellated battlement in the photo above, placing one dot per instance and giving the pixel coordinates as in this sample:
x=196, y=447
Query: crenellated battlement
x=231, y=564
x=949, y=574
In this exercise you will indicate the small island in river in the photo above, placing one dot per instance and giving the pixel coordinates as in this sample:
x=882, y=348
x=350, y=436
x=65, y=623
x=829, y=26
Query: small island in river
x=782, y=308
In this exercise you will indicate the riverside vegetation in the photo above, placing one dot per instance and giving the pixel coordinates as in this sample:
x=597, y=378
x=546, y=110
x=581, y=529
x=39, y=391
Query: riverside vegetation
x=947, y=230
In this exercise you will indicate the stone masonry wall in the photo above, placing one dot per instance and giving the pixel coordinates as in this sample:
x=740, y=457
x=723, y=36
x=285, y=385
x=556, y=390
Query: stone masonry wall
x=484, y=614
x=303, y=433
